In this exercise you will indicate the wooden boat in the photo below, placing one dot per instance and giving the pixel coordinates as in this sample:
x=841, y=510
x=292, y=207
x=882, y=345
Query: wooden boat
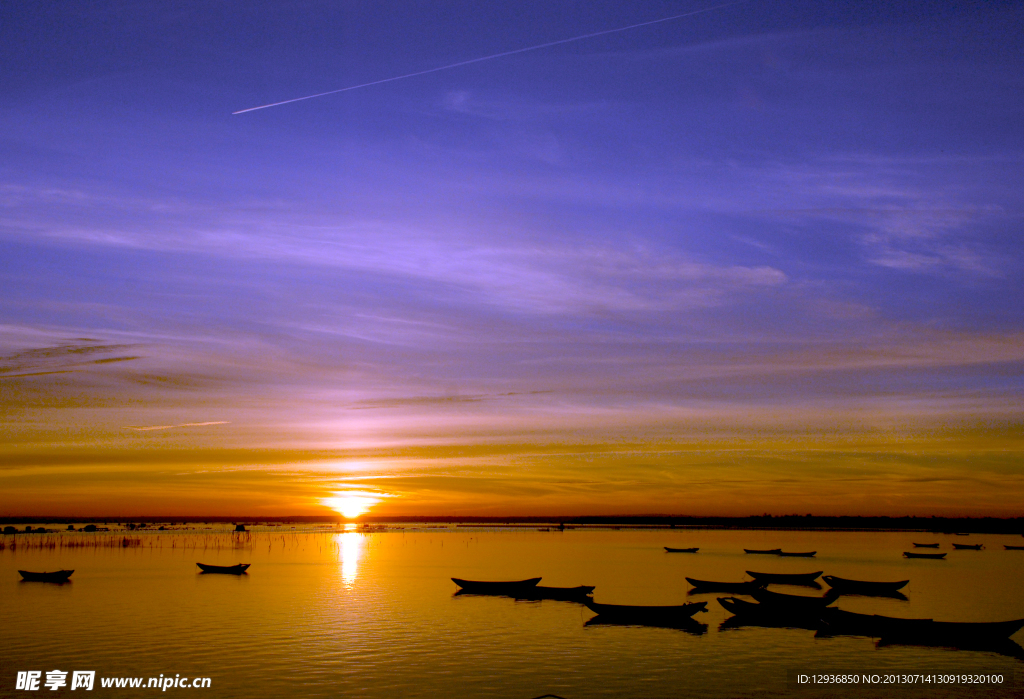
x=910, y=554
x=794, y=602
x=645, y=613
x=964, y=547
x=755, y=614
x=224, y=570
x=863, y=587
x=693, y=550
x=803, y=554
x=1013, y=548
x=786, y=578
x=58, y=576
x=504, y=587
x=567, y=594
x=926, y=546
x=770, y=552
x=739, y=588
x=934, y=632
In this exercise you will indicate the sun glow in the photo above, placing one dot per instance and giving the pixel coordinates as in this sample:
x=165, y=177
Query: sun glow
x=351, y=504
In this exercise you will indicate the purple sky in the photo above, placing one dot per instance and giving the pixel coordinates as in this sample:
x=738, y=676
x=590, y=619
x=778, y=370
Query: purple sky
x=763, y=249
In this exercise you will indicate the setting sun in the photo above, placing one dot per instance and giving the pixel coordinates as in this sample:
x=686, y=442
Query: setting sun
x=351, y=505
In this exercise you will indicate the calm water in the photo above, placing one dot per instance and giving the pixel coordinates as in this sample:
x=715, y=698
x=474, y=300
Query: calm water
x=350, y=614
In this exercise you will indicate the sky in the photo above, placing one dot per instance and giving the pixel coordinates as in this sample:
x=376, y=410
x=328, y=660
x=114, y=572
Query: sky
x=764, y=258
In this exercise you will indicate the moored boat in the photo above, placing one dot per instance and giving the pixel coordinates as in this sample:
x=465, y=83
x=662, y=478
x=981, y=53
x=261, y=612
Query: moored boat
x=786, y=578
x=1013, y=548
x=237, y=569
x=965, y=547
x=926, y=546
x=496, y=587
x=645, y=612
x=671, y=550
x=910, y=554
x=770, y=552
x=57, y=576
x=794, y=602
x=739, y=588
x=934, y=632
x=767, y=615
x=801, y=554
x=863, y=587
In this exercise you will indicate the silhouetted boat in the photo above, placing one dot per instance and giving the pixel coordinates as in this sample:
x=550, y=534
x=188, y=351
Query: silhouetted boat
x=224, y=570
x=693, y=550
x=771, y=552
x=58, y=576
x=972, y=547
x=797, y=603
x=910, y=554
x=863, y=587
x=1013, y=548
x=739, y=588
x=504, y=587
x=786, y=578
x=918, y=630
x=802, y=554
x=927, y=546
x=766, y=615
x=569, y=594
x=642, y=613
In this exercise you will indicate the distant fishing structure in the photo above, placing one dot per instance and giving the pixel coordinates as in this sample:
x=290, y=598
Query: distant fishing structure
x=492, y=56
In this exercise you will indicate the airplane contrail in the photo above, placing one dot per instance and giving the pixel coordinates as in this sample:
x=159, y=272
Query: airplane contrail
x=492, y=56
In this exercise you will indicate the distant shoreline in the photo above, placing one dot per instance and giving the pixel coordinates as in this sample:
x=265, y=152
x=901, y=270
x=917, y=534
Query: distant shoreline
x=948, y=525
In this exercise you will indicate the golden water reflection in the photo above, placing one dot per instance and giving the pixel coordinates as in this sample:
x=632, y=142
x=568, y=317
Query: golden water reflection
x=350, y=548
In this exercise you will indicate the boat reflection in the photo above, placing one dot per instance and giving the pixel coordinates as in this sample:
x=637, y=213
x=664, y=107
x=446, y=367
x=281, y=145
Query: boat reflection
x=683, y=624
x=1001, y=646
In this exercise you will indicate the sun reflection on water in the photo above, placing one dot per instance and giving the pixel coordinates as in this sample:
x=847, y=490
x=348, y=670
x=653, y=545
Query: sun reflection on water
x=351, y=545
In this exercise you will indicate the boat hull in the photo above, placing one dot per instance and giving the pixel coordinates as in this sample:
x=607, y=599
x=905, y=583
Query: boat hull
x=934, y=556
x=224, y=570
x=646, y=613
x=798, y=554
x=738, y=588
x=863, y=587
x=768, y=552
x=786, y=578
x=59, y=576
x=670, y=550
x=496, y=587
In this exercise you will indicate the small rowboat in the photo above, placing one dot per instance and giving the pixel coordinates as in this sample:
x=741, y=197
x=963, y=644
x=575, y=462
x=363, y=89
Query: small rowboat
x=909, y=554
x=568, y=594
x=964, y=547
x=926, y=546
x=738, y=588
x=505, y=587
x=754, y=614
x=693, y=550
x=796, y=603
x=224, y=570
x=59, y=576
x=927, y=630
x=786, y=578
x=1013, y=548
x=645, y=613
x=770, y=552
x=803, y=554
x=863, y=587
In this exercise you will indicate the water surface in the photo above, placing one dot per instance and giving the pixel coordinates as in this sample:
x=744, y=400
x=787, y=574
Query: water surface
x=345, y=613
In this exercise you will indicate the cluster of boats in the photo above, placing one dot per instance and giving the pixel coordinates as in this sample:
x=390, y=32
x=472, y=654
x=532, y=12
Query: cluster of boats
x=62, y=576
x=775, y=609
